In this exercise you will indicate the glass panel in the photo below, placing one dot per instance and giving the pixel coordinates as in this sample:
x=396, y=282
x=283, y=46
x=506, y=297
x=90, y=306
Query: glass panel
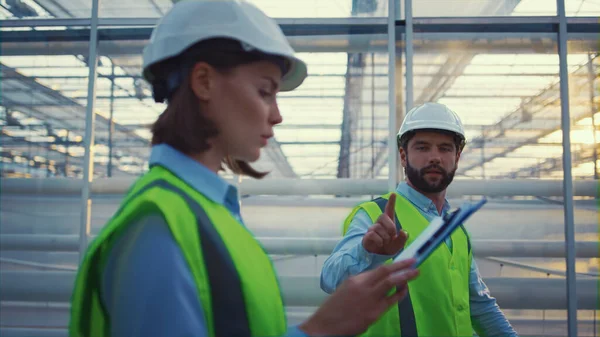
x=584, y=105
x=504, y=86
x=43, y=115
x=508, y=97
x=485, y=8
x=273, y=8
x=309, y=139
x=125, y=101
x=42, y=122
x=45, y=9
x=358, y=113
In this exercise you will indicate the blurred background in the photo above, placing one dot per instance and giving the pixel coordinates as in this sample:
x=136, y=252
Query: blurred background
x=518, y=72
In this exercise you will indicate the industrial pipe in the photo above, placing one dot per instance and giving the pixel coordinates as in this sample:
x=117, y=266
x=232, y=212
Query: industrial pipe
x=511, y=293
x=519, y=324
x=28, y=332
x=321, y=246
x=460, y=187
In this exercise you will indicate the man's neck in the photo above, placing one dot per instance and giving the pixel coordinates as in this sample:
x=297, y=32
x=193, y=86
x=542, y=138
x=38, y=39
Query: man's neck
x=438, y=199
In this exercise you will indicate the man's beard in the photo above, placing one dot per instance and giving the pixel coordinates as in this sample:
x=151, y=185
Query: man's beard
x=417, y=178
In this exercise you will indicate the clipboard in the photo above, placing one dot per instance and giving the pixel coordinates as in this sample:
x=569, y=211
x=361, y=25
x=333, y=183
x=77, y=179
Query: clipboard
x=439, y=229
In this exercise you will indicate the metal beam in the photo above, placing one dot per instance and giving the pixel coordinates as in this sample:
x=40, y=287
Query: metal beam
x=523, y=114
x=322, y=246
x=427, y=43
x=459, y=188
x=279, y=98
x=580, y=156
x=571, y=286
x=85, y=223
x=71, y=118
x=76, y=109
x=392, y=37
x=515, y=293
x=352, y=102
x=439, y=84
x=314, y=142
x=334, y=26
x=593, y=108
x=452, y=68
x=477, y=31
x=456, y=64
x=296, y=317
x=366, y=75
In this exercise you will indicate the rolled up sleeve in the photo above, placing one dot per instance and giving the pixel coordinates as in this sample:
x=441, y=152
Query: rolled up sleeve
x=349, y=256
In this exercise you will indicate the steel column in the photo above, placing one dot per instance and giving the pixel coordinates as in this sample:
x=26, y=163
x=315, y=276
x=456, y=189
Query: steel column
x=409, y=54
x=567, y=175
x=592, y=76
x=111, y=122
x=392, y=153
x=90, y=117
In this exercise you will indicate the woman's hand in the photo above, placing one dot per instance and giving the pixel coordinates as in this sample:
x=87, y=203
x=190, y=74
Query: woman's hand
x=360, y=301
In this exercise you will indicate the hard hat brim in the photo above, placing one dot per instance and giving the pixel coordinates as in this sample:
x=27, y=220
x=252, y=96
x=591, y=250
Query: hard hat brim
x=295, y=75
x=291, y=80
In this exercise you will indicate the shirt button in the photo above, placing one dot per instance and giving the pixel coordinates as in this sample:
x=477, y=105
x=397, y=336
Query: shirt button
x=460, y=307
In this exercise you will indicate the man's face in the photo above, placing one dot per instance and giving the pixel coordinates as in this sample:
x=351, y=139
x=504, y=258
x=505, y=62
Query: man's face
x=430, y=160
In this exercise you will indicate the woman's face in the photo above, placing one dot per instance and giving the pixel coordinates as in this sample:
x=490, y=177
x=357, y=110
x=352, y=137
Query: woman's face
x=242, y=103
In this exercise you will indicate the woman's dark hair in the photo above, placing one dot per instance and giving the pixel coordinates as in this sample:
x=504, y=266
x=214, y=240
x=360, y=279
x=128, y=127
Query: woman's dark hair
x=182, y=125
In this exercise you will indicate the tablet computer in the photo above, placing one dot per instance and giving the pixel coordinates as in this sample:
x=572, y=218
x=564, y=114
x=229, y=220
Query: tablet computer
x=439, y=229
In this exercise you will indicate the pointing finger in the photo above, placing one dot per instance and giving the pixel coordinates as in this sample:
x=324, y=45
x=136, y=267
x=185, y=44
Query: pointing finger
x=387, y=224
x=390, y=206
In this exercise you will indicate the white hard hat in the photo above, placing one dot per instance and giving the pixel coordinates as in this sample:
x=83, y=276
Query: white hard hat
x=432, y=116
x=191, y=21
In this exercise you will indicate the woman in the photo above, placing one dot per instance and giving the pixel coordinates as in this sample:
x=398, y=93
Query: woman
x=176, y=259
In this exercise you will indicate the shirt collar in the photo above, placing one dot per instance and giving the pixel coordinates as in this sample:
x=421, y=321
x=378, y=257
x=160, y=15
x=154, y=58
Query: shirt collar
x=198, y=176
x=419, y=200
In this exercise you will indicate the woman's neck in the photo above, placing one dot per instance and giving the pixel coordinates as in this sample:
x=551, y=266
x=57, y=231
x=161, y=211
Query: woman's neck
x=212, y=159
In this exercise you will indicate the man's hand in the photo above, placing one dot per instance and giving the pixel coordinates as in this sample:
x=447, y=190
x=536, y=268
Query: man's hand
x=382, y=238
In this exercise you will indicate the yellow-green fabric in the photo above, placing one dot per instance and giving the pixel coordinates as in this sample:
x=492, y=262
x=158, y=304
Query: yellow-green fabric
x=228, y=264
x=438, y=300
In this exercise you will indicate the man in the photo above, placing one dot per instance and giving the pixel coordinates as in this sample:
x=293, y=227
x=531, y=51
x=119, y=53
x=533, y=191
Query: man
x=450, y=298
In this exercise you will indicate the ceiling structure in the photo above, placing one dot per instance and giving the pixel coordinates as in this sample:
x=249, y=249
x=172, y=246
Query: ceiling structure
x=505, y=86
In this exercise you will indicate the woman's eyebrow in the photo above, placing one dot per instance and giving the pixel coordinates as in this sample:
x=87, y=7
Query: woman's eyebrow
x=274, y=84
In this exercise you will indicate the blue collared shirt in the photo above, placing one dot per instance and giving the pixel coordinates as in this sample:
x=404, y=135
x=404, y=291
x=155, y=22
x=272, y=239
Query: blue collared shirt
x=350, y=258
x=147, y=287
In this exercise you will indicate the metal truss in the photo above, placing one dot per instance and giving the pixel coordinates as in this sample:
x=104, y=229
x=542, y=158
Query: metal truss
x=523, y=117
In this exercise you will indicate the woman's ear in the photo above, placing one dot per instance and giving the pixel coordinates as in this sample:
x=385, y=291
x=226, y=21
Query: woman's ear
x=202, y=79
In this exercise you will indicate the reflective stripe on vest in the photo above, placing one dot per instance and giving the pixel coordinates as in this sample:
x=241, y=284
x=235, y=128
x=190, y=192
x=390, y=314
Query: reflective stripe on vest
x=218, y=258
x=405, y=307
x=438, y=301
x=228, y=307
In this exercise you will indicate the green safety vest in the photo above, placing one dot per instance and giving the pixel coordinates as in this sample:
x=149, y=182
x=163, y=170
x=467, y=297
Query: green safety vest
x=234, y=277
x=437, y=303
